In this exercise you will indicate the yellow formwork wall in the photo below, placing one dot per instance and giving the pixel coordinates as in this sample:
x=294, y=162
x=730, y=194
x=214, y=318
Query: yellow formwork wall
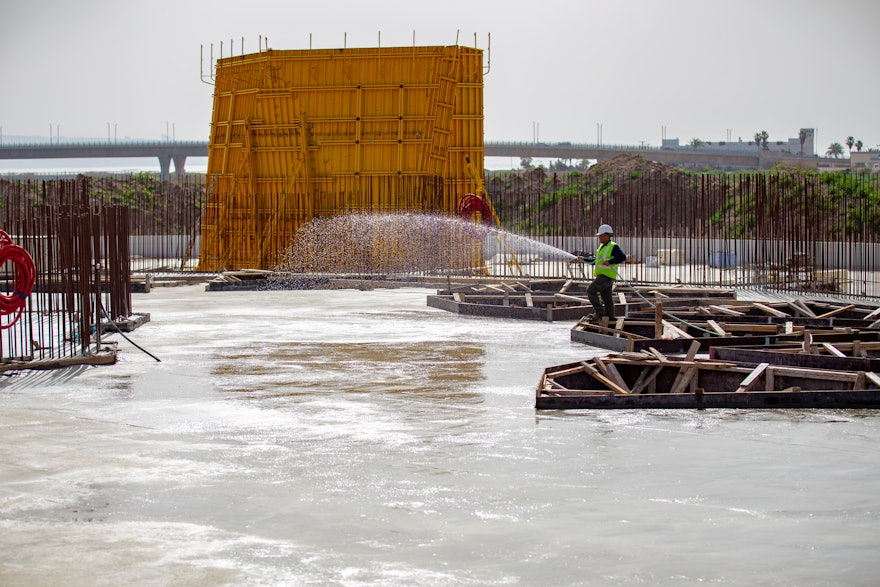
x=300, y=134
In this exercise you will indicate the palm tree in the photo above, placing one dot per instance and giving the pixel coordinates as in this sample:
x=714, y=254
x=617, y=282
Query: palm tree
x=849, y=142
x=834, y=150
x=761, y=138
x=696, y=143
x=802, y=137
x=859, y=145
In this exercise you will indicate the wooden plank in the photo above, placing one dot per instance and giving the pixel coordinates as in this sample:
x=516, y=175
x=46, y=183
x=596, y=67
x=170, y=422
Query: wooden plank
x=602, y=379
x=857, y=349
x=795, y=359
x=600, y=365
x=804, y=309
x=769, y=310
x=568, y=298
x=752, y=377
x=860, y=380
x=692, y=351
x=606, y=331
x=457, y=297
x=554, y=383
x=686, y=374
x=808, y=342
x=759, y=328
x=727, y=311
x=529, y=302
x=832, y=349
x=565, y=286
x=770, y=379
x=807, y=373
x=872, y=314
x=564, y=372
x=700, y=363
x=646, y=377
x=714, y=326
x=837, y=311
x=101, y=358
x=675, y=330
x=659, y=356
x=683, y=379
x=610, y=371
x=658, y=320
x=873, y=378
x=621, y=299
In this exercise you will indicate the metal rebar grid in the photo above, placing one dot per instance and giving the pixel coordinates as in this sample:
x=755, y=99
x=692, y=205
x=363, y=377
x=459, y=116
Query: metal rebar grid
x=790, y=231
x=79, y=245
x=786, y=231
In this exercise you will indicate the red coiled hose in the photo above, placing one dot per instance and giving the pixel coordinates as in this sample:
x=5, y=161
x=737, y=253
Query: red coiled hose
x=23, y=281
x=470, y=204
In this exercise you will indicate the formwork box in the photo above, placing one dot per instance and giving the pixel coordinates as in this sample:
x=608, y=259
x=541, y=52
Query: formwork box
x=300, y=134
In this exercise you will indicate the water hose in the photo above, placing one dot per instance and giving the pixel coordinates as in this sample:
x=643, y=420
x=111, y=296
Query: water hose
x=122, y=334
x=471, y=204
x=24, y=276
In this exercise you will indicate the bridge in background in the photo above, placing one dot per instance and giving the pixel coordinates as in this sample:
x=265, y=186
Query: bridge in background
x=166, y=151
x=715, y=158
x=177, y=151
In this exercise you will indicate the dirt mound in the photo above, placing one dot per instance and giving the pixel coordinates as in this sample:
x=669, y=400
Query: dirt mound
x=627, y=164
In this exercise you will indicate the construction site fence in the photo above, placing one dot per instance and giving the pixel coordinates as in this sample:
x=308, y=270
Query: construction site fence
x=79, y=246
x=797, y=232
x=787, y=231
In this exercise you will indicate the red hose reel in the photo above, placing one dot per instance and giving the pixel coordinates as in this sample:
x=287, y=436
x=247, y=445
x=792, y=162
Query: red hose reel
x=471, y=204
x=24, y=276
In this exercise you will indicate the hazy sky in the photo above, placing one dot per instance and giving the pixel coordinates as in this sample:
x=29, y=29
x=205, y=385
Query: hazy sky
x=698, y=68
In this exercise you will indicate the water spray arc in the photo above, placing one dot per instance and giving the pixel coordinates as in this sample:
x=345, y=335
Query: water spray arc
x=404, y=244
x=478, y=207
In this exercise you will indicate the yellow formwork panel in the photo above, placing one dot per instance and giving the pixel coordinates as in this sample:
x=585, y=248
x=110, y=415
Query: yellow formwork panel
x=298, y=134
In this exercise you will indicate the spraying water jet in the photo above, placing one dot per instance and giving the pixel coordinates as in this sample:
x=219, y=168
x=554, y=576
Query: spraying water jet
x=407, y=243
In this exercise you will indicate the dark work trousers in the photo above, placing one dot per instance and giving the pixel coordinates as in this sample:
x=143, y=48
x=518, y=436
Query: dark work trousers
x=602, y=286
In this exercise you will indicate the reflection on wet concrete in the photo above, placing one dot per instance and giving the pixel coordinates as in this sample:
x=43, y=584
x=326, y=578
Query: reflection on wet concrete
x=430, y=369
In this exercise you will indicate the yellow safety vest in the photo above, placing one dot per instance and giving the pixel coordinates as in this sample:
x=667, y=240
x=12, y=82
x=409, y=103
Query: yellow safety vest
x=602, y=255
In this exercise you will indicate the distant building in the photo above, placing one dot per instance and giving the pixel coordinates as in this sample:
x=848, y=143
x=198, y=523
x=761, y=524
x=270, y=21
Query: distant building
x=791, y=146
x=865, y=160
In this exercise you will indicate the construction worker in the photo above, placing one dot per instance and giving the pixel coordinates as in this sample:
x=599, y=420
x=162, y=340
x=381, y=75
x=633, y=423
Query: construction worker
x=608, y=257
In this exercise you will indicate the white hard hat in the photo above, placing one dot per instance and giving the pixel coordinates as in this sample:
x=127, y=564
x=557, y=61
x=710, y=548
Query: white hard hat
x=605, y=229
